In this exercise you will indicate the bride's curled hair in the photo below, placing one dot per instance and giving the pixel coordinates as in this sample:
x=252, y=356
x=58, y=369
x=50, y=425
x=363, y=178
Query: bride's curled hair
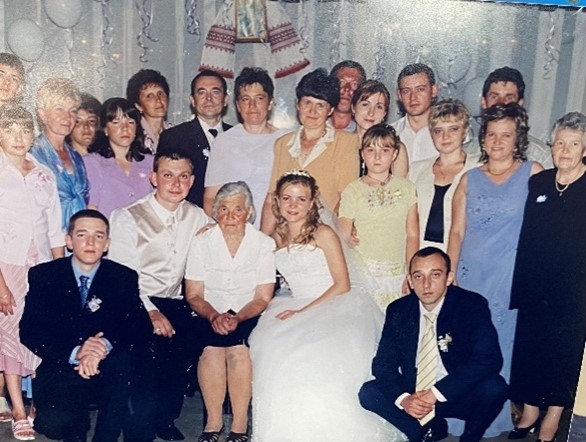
x=312, y=220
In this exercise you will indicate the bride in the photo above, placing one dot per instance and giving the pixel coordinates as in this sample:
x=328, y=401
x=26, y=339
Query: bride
x=311, y=352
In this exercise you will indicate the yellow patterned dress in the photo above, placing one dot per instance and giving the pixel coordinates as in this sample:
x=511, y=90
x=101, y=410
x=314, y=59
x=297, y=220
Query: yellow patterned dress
x=379, y=214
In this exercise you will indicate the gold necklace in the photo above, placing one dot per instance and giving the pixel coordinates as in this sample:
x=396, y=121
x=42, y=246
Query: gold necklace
x=313, y=140
x=500, y=173
x=439, y=166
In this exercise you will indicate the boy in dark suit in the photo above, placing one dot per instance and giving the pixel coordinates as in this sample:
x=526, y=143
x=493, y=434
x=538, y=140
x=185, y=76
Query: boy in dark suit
x=438, y=357
x=82, y=317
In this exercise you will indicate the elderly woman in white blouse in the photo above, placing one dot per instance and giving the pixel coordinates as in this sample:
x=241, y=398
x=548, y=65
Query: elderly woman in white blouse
x=230, y=277
x=436, y=178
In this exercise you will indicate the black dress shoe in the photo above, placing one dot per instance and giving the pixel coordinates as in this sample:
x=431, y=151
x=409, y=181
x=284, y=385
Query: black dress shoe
x=436, y=429
x=521, y=433
x=170, y=432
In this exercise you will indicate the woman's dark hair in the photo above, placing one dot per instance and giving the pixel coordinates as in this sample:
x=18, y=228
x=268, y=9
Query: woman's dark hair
x=141, y=79
x=110, y=110
x=368, y=89
x=318, y=84
x=517, y=115
x=249, y=76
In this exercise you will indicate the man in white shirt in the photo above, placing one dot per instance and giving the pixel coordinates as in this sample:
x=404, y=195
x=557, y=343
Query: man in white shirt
x=503, y=86
x=153, y=237
x=416, y=92
x=438, y=357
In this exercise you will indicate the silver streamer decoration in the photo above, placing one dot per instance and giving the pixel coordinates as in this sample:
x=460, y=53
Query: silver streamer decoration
x=550, y=50
x=192, y=26
x=337, y=44
x=226, y=16
x=303, y=26
x=449, y=84
x=68, y=37
x=106, y=41
x=146, y=17
x=379, y=58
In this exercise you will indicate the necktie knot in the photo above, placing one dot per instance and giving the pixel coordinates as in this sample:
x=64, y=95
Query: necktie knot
x=430, y=319
x=84, y=288
x=214, y=132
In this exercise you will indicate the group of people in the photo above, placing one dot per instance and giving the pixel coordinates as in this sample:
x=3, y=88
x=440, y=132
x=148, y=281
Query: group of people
x=424, y=273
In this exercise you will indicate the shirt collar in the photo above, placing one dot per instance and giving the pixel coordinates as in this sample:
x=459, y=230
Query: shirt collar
x=436, y=310
x=77, y=272
x=162, y=213
x=320, y=145
x=206, y=127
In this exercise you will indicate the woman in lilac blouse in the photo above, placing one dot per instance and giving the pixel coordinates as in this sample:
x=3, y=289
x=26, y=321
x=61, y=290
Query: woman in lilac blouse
x=118, y=165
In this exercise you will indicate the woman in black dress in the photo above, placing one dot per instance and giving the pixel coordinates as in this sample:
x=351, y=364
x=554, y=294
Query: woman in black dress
x=549, y=286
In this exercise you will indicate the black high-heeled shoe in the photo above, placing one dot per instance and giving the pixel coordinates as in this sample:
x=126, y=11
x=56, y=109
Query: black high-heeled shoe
x=521, y=433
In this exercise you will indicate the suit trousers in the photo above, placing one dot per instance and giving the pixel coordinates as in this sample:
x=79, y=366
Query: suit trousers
x=62, y=397
x=160, y=382
x=478, y=408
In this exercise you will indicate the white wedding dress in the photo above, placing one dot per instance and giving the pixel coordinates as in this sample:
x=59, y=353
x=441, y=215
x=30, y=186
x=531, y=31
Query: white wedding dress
x=307, y=369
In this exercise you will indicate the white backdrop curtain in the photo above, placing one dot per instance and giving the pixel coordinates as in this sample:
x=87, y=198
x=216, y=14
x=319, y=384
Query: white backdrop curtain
x=547, y=45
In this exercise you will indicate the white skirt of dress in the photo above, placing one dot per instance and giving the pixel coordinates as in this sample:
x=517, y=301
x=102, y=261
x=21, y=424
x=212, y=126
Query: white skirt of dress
x=308, y=369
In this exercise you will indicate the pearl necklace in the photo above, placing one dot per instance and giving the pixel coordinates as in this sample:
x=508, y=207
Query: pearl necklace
x=561, y=188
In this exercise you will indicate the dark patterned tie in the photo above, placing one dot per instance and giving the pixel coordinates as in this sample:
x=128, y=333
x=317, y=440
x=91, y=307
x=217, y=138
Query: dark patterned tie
x=83, y=288
x=214, y=132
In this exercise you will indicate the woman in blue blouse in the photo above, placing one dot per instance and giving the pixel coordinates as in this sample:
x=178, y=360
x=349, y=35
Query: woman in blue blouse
x=58, y=100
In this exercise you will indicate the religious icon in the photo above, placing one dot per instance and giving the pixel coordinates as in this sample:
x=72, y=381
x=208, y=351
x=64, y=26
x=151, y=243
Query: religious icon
x=251, y=21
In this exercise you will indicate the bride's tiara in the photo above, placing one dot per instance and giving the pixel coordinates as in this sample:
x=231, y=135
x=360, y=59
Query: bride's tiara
x=297, y=172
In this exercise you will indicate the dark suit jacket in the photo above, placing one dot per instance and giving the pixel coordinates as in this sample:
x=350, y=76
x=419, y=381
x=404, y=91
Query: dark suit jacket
x=190, y=137
x=473, y=355
x=54, y=321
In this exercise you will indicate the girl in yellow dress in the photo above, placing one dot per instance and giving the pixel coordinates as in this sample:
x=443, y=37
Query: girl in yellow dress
x=379, y=220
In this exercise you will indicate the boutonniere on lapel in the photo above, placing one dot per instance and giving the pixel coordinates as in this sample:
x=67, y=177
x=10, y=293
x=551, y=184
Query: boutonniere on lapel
x=94, y=304
x=541, y=199
x=443, y=342
x=205, y=152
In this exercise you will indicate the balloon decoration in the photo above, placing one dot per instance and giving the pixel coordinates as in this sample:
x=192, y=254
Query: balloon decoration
x=473, y=95
x=25, y=39
x=64, y=13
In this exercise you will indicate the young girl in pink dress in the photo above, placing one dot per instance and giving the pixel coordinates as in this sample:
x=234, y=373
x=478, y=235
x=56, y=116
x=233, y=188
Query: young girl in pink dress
x=30, y=233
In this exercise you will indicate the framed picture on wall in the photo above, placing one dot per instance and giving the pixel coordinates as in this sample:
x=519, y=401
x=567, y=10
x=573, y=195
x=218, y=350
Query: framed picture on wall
x=251, y=21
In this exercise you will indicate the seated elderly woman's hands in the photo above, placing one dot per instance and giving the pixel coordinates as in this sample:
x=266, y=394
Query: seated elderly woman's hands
x=224, y=323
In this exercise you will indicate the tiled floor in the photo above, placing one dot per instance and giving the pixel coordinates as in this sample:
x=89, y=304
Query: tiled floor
x=190, y=423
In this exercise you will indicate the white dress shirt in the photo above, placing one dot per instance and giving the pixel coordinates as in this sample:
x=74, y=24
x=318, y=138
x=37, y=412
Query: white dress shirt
x=419, y=144
x=230, y=281
x=441, y=369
